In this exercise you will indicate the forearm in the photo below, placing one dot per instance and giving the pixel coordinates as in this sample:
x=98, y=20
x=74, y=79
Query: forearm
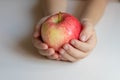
x=54, y=6
x=94, y=10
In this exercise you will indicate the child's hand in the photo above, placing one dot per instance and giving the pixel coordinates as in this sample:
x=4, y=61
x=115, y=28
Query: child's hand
x=42, y=47
x=79, y=49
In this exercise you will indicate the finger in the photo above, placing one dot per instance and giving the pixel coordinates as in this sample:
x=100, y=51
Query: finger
x=82, y=46
x=93, y=39
x=74, y=52
x=65, y=55
x=54, y=56
x=47, y=52
x=42, y=20
x=86, y=33
x=62, y=58
x=39, y=44
x=36, y=31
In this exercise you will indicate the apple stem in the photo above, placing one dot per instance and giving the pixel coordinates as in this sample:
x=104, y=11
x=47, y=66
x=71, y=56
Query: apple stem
x=59, y=17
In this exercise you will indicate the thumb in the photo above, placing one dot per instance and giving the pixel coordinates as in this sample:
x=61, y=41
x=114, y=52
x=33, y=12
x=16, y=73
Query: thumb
x=86, y=33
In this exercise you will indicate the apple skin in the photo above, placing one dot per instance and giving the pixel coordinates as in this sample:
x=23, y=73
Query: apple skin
x=59, y=29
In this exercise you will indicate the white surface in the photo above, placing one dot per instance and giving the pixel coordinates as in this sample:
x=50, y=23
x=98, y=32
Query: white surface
x=19, y=61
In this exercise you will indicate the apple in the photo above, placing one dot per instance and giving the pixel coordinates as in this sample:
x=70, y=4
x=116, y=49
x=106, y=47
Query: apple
x=59, y=29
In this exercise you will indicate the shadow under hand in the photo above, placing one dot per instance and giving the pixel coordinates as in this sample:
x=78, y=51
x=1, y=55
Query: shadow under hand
x=27, y=46
x=26, y=43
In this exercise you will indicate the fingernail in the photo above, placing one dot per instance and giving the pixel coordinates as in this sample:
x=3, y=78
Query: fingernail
x=66, y=46
x=62, y=51
x=83, y=38
x=73, y=42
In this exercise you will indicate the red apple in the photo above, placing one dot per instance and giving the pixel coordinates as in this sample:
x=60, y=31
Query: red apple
x=59, y=29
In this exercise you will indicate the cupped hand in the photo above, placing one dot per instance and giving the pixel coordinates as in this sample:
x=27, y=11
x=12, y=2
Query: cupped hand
x=42, y=47
x=79, y=49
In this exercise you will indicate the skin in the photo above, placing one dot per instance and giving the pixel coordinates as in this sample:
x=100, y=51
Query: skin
x=42, y=47
x=77, y=49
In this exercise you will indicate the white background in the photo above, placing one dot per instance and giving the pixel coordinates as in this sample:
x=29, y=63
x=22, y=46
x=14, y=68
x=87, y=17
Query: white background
x=20, y=61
